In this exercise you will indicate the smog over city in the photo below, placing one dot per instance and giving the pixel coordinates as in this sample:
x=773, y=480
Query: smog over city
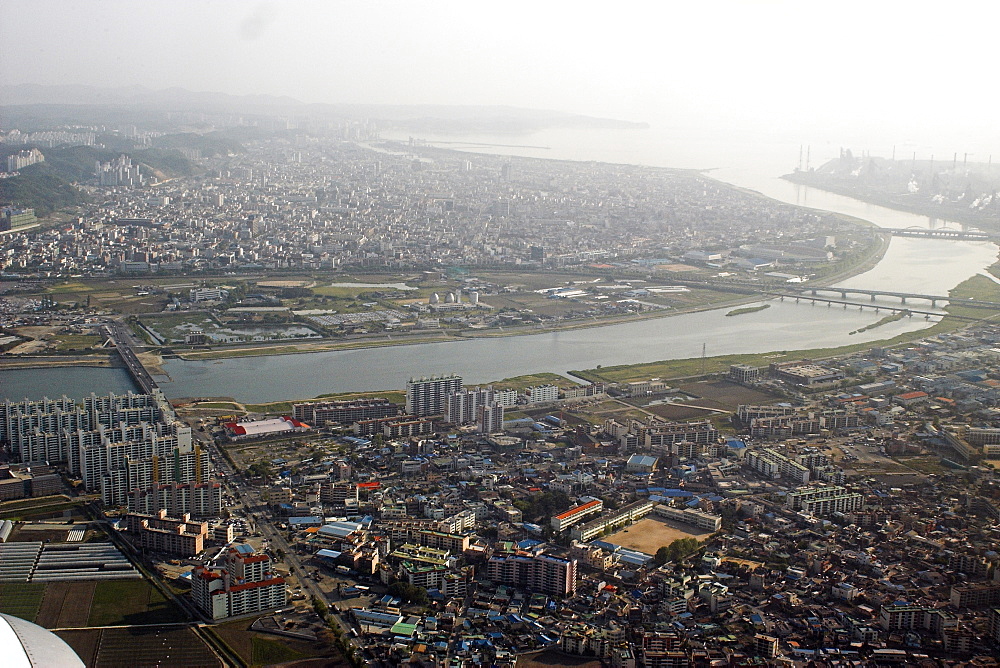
x=514, y=334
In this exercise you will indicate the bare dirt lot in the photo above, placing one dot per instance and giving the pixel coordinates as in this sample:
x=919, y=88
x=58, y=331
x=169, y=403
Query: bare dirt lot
x=724, y=395
x=679, y=412
x=27, y=533
x=554, y=658
x=650, y=534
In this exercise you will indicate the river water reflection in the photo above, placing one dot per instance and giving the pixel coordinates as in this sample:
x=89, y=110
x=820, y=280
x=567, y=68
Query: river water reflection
x=929, y=267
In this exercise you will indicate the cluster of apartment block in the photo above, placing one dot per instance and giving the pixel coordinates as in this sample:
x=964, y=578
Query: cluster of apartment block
x=345, y=412
x=681, y=439
x=783, y=420
x=114, y=443
x=824, y=501
x=772, y=464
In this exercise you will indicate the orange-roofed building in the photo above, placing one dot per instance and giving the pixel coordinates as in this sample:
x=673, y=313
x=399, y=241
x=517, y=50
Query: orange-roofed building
x=574, y=515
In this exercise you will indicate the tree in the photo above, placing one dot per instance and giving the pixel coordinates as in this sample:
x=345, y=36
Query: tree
x=409, y=593
x=662, y=556
x=676, y=551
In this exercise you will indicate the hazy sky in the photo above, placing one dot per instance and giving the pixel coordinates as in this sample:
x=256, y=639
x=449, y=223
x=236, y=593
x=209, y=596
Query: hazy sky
x=909, y=67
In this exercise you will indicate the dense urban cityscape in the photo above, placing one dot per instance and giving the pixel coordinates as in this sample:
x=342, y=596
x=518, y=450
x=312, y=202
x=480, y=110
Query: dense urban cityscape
x=449, y=335
x=834, y=512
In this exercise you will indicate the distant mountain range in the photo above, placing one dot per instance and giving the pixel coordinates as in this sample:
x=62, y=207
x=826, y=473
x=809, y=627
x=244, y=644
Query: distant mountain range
x=136, y=96
x=427, y=117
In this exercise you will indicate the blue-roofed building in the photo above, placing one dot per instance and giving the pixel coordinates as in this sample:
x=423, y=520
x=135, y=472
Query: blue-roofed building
x=604, y=545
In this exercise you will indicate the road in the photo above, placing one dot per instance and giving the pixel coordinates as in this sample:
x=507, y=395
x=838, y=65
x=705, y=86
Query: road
x=120, y=336
x=254, y=509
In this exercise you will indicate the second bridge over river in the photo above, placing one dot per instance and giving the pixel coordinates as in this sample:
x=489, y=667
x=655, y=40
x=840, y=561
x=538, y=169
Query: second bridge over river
x=902, y=296
x=813, y=299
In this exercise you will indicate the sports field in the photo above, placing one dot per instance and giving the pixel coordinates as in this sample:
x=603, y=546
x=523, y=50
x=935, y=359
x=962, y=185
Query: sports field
x=650, y=534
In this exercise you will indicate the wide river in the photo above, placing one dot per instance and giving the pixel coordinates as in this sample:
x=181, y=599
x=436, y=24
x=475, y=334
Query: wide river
x=910, y=265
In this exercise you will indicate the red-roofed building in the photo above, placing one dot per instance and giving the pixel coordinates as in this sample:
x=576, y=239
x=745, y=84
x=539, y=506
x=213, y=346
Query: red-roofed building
x=264, y=428
x=910, y=398
x=574, y=515
x=245, y=584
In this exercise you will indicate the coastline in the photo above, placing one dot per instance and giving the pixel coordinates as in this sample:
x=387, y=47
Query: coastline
x=956, y=215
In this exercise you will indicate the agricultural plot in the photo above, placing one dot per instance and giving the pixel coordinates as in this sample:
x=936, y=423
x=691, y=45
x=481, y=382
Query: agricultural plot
x=83, y=641
x=118, y=602
x=147, y=646
x=65, y=605
x=21, y=599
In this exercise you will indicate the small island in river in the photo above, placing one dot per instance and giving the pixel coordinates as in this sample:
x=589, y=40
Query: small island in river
x=748, y=309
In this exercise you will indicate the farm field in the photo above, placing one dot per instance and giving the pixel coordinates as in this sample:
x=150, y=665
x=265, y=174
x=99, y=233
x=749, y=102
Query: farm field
x=21, y=599
x=147, y=646
x=66, y=605
x=650, y=534
x=125, y=602
x=87, y=603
